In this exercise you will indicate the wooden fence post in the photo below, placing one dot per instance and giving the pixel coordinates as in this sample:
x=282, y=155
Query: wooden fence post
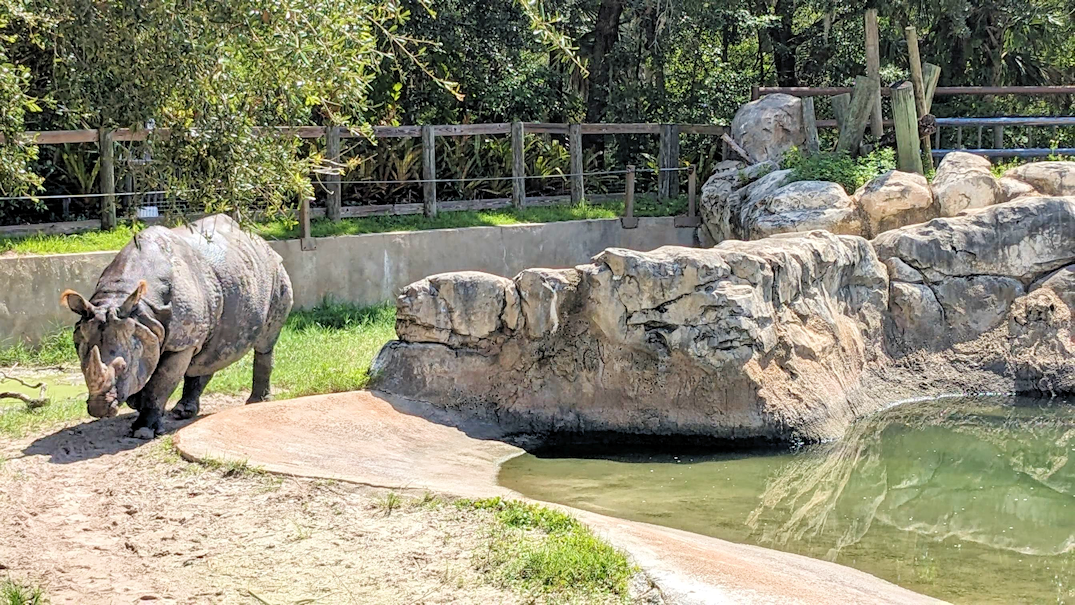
x=858, y=114
x=306, y=240
x=667, y=160
x=998, y=137
x=919, y=88
x=334, y=201
x=518, y=166
x=628, y=221
x=692, y=188
x=108, y=178
x=840, y=104
x=932, y=74
x=810, y=125
x=574, y=144
x=905, y=120
x=429, y=172
x=873, y=70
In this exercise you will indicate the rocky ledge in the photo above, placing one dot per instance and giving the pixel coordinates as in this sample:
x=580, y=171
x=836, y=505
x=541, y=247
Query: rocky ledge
x=785, y=338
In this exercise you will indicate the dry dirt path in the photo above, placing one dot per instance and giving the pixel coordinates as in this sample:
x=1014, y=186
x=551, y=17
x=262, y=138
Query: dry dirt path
x=95, y=517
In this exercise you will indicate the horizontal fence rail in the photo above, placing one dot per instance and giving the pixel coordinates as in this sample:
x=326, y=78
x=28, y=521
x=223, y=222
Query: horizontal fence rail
x=667, y=171
x=831, y=91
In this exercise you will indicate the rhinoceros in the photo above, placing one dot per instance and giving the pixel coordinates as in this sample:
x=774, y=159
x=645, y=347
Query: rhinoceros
x=179, y=305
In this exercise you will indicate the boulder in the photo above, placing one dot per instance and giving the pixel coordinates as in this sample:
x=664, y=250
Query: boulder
x=964, y=180
x=802, y=206
x=768, y=127
x=1013, y=189
x=732, y=187
x=896, y=199
x=720, y=343
x=464, y=308
x=1022, y=239
x=1062, y=282
x=1046, y=178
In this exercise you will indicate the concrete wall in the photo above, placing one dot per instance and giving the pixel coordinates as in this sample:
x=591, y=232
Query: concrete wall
x=365, y=269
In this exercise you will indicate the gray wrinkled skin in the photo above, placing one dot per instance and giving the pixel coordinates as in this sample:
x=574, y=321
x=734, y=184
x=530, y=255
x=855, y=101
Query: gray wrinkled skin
x=179, y=305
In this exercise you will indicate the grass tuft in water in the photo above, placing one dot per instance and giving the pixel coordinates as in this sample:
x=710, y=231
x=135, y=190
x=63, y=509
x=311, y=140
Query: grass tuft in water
x=536, y=548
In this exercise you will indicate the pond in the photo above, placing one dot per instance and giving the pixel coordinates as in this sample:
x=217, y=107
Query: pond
x=970, y=500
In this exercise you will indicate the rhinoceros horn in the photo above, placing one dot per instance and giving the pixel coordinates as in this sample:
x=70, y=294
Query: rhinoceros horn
x=98, y=377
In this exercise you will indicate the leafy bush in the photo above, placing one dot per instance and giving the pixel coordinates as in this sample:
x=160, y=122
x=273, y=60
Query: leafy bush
x=841, y=168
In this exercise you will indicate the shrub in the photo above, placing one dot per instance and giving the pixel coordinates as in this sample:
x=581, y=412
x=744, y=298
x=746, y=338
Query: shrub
x=841, y=168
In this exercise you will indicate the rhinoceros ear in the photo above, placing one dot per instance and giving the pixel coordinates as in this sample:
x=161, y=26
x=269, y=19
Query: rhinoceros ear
x=74, y=301
x=132, y=300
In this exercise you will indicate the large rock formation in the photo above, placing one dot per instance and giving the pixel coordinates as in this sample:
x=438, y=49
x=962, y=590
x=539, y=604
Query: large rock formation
x=747, y=340
x=768, y=127
x=788, y=337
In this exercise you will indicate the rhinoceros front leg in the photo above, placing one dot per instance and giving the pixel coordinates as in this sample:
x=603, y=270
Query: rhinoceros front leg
x=190, y=402
x=170, y=370
x=262, y=373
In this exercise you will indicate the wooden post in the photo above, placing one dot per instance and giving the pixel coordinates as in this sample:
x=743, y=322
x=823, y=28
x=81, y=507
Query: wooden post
x=306, y=240
x=518, y=166
x=628, y=221
x=429, y=172
x=840, y=104
x=919, y=82
x=755, y=92
x=810, y=125
x=334, y=201
x=905, y=121
x=873, y=70
x=932, y=74
x=692, y=188
x=858, y=114
x=574, y=144
x=667, y=161
x=998, y=137
x=108, y=178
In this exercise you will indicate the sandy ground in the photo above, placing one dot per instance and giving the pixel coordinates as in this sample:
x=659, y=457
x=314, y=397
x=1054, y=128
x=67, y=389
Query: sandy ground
x=95, y=517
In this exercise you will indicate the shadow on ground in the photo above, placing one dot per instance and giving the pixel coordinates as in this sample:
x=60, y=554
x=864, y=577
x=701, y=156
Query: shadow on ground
x=89, y=440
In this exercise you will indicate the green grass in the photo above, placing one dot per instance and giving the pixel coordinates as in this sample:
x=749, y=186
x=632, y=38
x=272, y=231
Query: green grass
x=327, y=349
x=94, y=241
x=539, y=549
x=17, y=593
x=841, y=168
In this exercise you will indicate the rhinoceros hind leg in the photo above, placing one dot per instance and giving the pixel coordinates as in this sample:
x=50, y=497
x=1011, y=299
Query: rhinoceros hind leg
x=262, y=373
x=190, y=402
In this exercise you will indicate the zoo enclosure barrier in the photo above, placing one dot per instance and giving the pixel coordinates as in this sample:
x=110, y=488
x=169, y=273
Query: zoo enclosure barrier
x=668, y=170
x=841, y=102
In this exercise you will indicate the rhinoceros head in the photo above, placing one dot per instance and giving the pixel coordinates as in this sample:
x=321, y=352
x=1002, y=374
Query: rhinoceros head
x=119, y=346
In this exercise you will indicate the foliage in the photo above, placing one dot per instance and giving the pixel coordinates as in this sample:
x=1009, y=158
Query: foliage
x=17, y=593
x=849, y=172
x=546, y=550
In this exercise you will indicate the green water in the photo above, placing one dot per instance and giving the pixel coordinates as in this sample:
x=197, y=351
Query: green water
x=968, y=500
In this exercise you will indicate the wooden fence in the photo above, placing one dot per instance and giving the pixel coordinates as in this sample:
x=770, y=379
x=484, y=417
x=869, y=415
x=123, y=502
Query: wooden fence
x=667, y=186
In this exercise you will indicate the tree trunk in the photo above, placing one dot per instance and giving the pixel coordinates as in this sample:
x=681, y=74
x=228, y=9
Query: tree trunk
x=783, y=46
x=606, y=35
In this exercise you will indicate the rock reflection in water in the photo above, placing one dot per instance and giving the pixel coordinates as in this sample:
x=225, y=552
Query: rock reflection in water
x=971, y=500
x=997, y=475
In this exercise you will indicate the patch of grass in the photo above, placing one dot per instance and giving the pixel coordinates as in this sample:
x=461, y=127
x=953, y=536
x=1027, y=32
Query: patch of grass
x=849, y=172
x=89, y=241
x=231, y=468
x=53, y=349
x=94, y=241
x=328, y=349
x=388, y=503
x=16, y=593
x=543, y=550
x=17, y=421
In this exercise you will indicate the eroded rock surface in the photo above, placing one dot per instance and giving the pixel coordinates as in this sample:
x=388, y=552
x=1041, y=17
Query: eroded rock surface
x=803, y=206
x=784, y=338
x=768, y=127
x=1045, y=178
x=727, y=343
x=896, y=199
x=964, y=180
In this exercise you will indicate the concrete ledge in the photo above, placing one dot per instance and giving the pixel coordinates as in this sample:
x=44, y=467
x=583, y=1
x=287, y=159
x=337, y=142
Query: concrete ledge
x=364, y=269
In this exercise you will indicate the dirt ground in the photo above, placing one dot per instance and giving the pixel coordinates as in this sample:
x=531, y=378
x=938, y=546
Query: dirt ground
x=95, y=517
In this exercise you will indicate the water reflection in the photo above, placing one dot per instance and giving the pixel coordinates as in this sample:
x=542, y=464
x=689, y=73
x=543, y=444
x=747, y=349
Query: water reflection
x=969, y=500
